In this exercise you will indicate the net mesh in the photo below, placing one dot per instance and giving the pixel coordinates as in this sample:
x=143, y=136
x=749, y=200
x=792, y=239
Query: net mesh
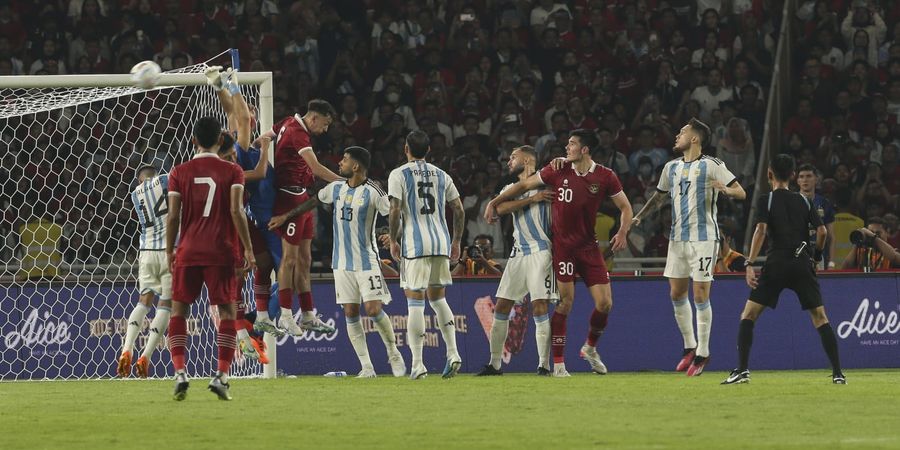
x=69, y=231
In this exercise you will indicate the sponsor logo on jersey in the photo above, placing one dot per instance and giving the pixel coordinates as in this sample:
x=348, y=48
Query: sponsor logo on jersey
x=594, y=188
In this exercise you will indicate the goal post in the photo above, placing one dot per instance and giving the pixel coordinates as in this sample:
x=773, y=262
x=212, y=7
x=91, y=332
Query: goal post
x=71, y=145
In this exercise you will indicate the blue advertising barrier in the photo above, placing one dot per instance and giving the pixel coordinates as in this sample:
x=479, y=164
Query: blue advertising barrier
x=52, y=332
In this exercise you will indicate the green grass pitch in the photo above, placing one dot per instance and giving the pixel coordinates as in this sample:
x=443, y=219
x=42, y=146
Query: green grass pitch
x=796, y=409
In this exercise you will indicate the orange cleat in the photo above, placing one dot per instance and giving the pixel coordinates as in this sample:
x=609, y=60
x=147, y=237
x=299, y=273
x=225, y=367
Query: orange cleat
x=124, y=367
x=260, y=347
x=142, y=367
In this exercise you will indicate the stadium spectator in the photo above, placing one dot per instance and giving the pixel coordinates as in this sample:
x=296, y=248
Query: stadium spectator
x=867, y=257
x=479, y=258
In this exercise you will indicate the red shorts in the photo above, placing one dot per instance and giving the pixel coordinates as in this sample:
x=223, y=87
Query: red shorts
x=299, y=228
x=221, y=284
x=587, y=262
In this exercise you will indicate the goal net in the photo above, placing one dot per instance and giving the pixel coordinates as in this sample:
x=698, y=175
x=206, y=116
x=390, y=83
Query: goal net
x=68, y=248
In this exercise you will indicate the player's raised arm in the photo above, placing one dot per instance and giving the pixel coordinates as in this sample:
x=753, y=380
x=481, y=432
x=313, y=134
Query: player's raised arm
x=512, y=206
x=517, y=189
x=236, y=204
x=262, y=166
x=318, y=169
x=619, y=241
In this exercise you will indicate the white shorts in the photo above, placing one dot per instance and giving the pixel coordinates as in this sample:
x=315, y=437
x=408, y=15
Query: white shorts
x=418, y=274
x=529, y=274
x=689, y=259
x=353, y=288
x=153, y=274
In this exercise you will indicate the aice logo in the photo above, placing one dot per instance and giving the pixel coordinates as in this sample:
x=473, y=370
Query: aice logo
x=310, y=336
x=32, y=332
x=864, y=322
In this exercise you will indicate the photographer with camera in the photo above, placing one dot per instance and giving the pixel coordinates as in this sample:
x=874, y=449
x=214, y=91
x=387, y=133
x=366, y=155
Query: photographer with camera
x=479, y=258
x=871, y=251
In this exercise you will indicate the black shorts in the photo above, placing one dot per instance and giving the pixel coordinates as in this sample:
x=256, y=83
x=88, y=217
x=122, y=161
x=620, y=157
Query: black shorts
x=796, y=274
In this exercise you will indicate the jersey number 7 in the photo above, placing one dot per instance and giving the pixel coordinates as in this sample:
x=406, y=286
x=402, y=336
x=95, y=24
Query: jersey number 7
x=427, y=197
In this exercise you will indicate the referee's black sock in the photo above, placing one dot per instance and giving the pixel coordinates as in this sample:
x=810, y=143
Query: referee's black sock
x=829, y=342
x=745, y=340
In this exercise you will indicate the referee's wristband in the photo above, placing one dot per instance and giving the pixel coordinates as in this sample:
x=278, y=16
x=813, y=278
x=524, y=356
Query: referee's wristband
x=747, y=263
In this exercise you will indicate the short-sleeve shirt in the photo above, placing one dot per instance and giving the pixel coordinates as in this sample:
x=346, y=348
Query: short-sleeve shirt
x=424, y=191
x=689, y=185
x=291, y=170
x=354, y=212
x=579, y=196
x=789, y=216
x=531, y=225
x=150, y=201
x=208, y=236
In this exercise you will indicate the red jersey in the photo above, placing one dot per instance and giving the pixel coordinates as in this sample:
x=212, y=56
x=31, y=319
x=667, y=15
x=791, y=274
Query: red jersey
x=291, y=169
x=208, y=236
x=578, y=199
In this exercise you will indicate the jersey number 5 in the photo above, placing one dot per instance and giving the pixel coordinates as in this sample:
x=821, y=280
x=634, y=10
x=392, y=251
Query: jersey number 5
x=427, y=197
x=209, y=195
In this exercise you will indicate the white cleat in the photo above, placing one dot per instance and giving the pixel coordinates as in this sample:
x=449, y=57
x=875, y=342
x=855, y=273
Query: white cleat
x=316, y=325
x=417, y=373
x=398, y=366
x=288, y=324
x=560, y=371
x=590, y=355
x=367, y=372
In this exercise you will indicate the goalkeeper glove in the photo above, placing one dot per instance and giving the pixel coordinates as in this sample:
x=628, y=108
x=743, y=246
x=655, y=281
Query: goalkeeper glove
x=214, y=77
x=230, y=81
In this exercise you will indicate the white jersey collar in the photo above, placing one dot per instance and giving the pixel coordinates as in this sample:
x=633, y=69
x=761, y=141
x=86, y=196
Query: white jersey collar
x=205, y=155
x=591, y=170
x=300, y=121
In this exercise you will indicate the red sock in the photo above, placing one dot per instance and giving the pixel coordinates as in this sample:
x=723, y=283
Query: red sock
x=239, y=318
x=225, y=339
x=558, y=336
x=306, y=302
x=262, y=288
x=177, y=341
x=598, y=324
x=286, y=298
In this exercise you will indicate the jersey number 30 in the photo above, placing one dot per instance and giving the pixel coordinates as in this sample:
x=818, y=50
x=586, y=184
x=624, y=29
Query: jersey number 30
x=565, y=195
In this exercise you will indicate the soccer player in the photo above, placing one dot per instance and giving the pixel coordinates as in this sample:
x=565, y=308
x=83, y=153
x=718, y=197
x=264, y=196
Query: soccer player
x=807, y=179
x=529, y=269
x=421, y=243
x=209, y=192
x=580, y=185
x=357, y=270
x=786, y=217
x=154, y=278
x=693, y=182
x=296, y=167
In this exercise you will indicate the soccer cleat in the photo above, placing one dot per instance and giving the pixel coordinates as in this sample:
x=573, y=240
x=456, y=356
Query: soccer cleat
x=489, y=370
x=181, y=386
x=288, y=324
x=417, y=373
x=260, y=345
x=590, y=355
x=142, y=366
x=367, y=372
x=267, y=326
x=559, y=371
x=124, y=367
x=316, y=325
x=543, y=372
x=839, y=378
x=248, y=349
x=216, y=386
x=451, y=368
x=737, y=377
x=686, y=358
x=697, y=366
x=398, y=366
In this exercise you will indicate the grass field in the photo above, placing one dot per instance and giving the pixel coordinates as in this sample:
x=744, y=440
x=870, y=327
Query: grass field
x=799, y=409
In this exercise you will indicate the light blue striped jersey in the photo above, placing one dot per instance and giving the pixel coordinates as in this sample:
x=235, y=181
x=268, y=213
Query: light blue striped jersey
x=354, y=212
x=689, y=185
x=531, y=225
x=151, y=204
x=424, y=191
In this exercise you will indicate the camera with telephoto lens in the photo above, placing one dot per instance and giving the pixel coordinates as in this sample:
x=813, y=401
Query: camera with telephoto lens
x=861, y=240
x=473, y=252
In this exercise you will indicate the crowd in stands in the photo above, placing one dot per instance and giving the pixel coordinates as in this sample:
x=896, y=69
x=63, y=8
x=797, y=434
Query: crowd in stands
x=481, y=77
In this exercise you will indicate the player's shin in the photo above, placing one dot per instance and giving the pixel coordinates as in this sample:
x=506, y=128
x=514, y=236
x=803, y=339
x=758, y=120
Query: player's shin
x=684, y=317
x=386, y=331
x=307, y=305
x=829, y=343
x=157, y=329
x=558, y=336
x=135, y=321
x=447, y=324
x=745, y=341
x=262, y=287
x=704, y=325
x=178, y=341
x=416, y=329
x=358, y=339
x=597, y=325
x=542, y=339
x=499, y=331
x=225, y=340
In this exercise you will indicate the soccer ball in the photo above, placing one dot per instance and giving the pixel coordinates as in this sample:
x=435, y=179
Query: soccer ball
x=145, y=74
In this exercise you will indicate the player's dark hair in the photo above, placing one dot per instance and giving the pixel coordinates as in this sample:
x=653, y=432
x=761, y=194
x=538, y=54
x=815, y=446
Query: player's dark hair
x=207, y=131
x=321, y=107
x=701, y=129
x=418, y=142
x=359, y=155
x=146, y=168
x=808, y=168
x=587, y=138
x=528, y=150
x=782, y=166
x=227, y=142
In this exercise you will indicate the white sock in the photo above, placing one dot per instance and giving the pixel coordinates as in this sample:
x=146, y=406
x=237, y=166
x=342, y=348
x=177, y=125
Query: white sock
x=157, y=329
x=542, y=339
x=358, y=339
x=415, y=329
x=684, y=316
x=499, y=330
x=135, y=321
x=386, y=331
x=704, y=325
x=447, y=324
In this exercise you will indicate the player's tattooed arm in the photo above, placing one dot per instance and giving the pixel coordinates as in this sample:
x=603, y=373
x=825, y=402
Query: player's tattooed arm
x=656, y=200
x=459, y=226
x=517, y=189
x=515, y=205
x=395, y=231
x=308, y=205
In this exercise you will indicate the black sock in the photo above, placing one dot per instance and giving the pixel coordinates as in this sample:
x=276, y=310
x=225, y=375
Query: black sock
x=745, y=340
x=829, y=342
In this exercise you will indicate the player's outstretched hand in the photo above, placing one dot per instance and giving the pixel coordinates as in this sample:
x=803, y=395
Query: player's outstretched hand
x=214, y=77
x=619, y=241
x=277, y=221
x=751, y=277
x=557, y=163
x=544, y=196
x=490, y=212
x=395, y=251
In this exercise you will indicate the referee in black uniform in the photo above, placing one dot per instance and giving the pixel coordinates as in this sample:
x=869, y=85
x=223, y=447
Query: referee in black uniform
x=787, y=217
